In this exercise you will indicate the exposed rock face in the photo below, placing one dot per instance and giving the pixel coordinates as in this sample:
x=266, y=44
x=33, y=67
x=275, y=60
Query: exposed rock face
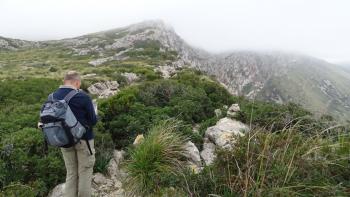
x=113, y=167
x=15, y=44
x=103, y=186
x=232, y=111
x=218, y=112
x=167, y=71
x=194, y=159
x=104, y=89
x=208, y=152
x=138, y=140
x=57, y=191
x=224, y=132
x=130, y=77
x=89, y=75
x=100, y=61
x=266, y=75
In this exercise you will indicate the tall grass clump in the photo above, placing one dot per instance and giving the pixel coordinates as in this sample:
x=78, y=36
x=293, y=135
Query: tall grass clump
x=158, y=158
x=285, y=163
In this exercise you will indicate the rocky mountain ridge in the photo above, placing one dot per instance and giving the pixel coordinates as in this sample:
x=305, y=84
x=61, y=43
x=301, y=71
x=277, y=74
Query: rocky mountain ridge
x=273, y=76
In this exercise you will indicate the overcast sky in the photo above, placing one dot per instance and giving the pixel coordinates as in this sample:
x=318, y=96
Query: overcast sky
x=316, y=27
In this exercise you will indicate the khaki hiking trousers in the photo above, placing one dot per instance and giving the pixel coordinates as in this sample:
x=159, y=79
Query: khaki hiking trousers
x=79, y=165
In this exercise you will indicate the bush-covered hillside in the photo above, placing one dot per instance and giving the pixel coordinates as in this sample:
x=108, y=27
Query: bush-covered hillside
x=288, y=152
x=285, y=154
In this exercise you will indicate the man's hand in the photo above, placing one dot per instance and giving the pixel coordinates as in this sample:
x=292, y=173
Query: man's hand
x=40, y=125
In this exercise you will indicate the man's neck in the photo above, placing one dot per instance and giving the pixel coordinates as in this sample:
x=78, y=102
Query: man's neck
x=67, y=86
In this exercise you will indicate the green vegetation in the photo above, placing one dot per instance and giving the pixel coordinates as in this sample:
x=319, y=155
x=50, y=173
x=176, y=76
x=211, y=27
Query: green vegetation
x=189, y=97
x=288, y=152
x=24, y=165
x=286, y=163
x=160, y=155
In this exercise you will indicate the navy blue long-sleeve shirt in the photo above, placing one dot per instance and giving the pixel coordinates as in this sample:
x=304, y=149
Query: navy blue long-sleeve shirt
x=82, y=107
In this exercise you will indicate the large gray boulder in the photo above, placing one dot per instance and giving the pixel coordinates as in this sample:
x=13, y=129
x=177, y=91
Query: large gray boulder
x=225, y=131
x=104, y=89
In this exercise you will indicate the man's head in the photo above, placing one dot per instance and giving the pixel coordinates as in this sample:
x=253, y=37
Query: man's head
x=72, y=78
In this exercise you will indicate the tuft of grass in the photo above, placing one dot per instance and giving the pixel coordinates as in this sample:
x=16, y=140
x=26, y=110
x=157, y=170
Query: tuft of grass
x=160, y=155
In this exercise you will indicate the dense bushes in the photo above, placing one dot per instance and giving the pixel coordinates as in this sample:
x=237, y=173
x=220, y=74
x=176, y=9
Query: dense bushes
x=24, y=166
x=189, y=97
x=299, y=156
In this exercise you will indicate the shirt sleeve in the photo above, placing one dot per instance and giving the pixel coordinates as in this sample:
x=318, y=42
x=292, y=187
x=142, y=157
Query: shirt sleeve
x=91, y=115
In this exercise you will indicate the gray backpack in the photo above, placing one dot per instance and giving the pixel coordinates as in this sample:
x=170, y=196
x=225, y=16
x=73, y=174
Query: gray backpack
x=60, y=126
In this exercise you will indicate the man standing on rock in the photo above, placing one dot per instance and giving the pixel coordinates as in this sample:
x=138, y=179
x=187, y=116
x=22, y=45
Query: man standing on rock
x=80, y=158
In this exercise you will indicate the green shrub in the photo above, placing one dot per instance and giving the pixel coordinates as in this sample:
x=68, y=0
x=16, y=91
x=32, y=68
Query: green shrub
x=23, y=160
x=104, y=151
x=161, y=154
x=53, y=69
x=17, y=190
x=135, y=109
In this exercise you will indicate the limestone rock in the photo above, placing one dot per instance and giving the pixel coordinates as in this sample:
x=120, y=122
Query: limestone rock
x=138, y=140
x=57, y=191
x=224, y=132
x=130, y=77
x=208, y=152
x=104, y=89
x=113, y=168
x=167, y=71
x=194, y=159
x=218, y=112
x=192, y=153
x=89, y=75
x=99, y=179
x=232, y=111
x=100, y=61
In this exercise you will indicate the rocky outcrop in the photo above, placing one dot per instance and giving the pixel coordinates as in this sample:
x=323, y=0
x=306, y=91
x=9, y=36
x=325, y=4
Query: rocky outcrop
x=166, y=71
x=224, y=132
x=138, y=140
x=208, y=152
x=100, y=61
x=103, y=186
x=130, y=77
x=15, y=44
x=222, y=135
x=218, y=112
x=233, y=110
x=194, y=159
x=90, y=75
x=104, y=89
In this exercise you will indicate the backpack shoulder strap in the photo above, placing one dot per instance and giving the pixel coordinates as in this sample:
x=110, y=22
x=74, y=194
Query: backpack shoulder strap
x=70, y=95
x=50, y=98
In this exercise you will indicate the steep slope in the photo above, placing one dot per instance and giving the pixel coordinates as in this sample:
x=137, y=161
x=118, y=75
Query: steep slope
x=280, y=77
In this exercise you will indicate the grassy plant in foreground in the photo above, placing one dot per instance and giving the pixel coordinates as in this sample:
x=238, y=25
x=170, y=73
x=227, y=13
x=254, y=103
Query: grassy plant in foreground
x=160, y=155
x=285, y=163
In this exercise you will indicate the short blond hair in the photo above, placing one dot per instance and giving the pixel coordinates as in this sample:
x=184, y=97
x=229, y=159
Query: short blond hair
x=72, y=76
